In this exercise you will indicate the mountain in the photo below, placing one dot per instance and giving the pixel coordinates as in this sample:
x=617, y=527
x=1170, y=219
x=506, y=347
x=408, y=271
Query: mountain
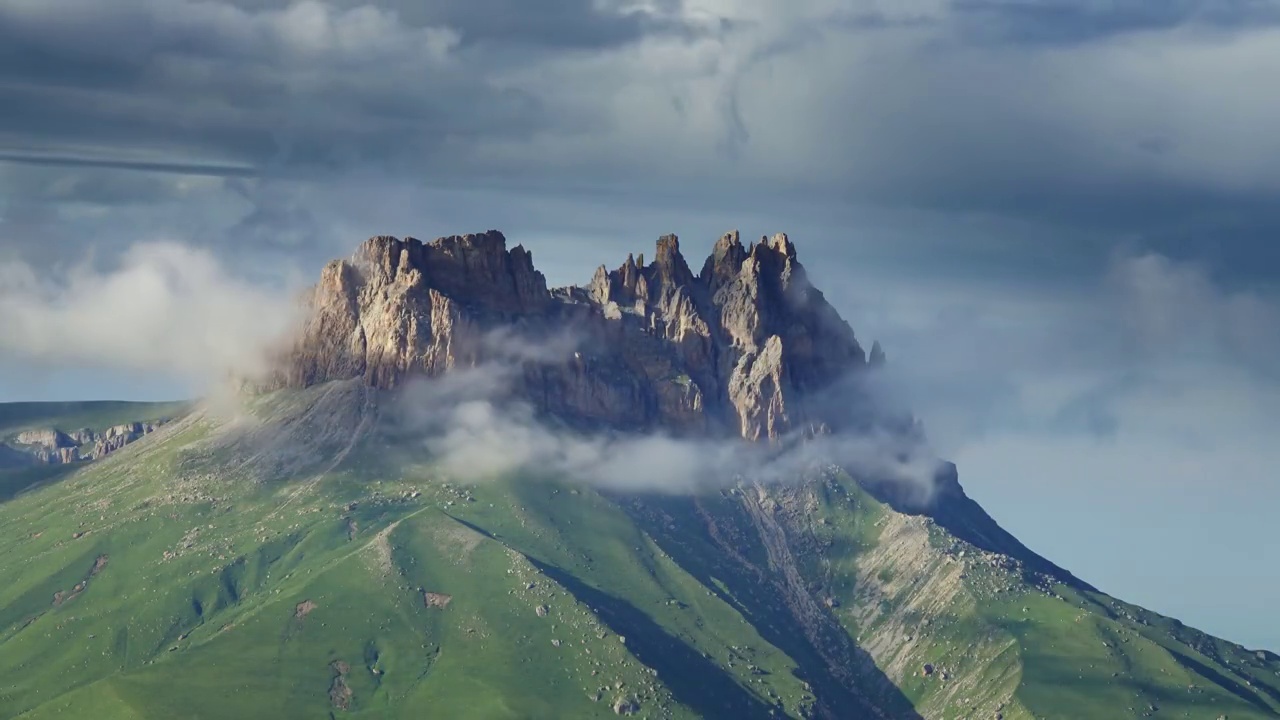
x=462, y=494
x=737, y=347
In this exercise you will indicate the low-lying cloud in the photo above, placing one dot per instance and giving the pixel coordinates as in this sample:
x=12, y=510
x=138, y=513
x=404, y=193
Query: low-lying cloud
x=165, y=308
x=1058, y=357
x=1176, y=309
x=1110, y=420
x=477, y=428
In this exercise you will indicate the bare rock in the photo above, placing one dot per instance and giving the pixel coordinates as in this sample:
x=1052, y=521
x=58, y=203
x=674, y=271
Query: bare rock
x=83, y=436
x=876, y=358
x=743, y=348
x=436, y=600
x=340, y=693
x=52, y=446
x=49, y=439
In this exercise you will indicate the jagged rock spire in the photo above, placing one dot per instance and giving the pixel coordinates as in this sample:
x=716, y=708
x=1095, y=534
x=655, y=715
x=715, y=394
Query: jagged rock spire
x=782, y=244
x=725, y=261
x=876, y=358
x=741, y=347
x=671, y=265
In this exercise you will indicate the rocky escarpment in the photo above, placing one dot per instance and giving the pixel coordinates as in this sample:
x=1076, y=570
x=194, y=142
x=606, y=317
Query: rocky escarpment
x=744, y=346
x=51, y=446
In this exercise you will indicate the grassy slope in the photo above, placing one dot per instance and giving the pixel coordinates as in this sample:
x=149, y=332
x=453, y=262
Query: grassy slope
x=195, y=612
x=1024, y=645
x=201, y=603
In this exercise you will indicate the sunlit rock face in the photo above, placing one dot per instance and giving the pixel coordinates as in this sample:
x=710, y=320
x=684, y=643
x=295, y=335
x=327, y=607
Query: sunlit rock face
x=745, y=347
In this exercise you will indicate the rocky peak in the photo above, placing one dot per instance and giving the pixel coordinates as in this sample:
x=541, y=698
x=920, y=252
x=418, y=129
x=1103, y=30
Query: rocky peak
x=670, y=264
x=635, y=285
x=725, y=262
x=471, y=268
x=742, y=347
x=401, y=307
x=782, y=245
x=876, y=358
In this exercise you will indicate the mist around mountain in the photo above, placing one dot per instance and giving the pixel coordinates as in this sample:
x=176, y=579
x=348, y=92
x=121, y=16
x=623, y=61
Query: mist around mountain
x=456, y=492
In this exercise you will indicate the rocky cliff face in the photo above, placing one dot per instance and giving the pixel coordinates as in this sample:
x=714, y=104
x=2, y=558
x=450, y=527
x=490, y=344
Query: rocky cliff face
x=744, y=347
x=54, y=447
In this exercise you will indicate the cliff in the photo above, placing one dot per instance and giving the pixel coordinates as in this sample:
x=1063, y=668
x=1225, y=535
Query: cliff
x=55, y=447
x=744, y=347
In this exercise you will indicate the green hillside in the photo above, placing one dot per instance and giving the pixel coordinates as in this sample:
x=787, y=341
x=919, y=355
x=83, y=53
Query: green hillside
x=296, y=564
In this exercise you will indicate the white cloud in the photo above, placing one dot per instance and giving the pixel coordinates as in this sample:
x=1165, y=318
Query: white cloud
x=477, y=430
x=1175, y=309
x=166, y=308
x=1019, y=356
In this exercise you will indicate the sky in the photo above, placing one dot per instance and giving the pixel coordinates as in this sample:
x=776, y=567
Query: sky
x=1060, y=218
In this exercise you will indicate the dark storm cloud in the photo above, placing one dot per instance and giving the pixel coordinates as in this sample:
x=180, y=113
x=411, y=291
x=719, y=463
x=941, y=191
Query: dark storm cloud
x=306, y=87
x=547, y=24
x=1141, y=117
x=84, y=161
x=1073, y=21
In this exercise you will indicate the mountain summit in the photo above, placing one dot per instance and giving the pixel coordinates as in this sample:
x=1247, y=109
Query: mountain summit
x=742, y=348
x=322, y=551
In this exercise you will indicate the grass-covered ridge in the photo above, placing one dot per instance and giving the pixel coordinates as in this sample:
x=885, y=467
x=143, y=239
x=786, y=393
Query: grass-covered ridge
x=299, y=566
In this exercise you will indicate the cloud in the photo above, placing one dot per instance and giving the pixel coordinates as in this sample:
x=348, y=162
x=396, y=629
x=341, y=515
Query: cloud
x=119, y=163
x=298, y=89
x=165, y=308
x=477, y=429
x=1106, y=114
x=1066, y=22
x=1176, y=309
x=212, y=84
x=1058, y=357
x=272, y=132
x=1117, y=418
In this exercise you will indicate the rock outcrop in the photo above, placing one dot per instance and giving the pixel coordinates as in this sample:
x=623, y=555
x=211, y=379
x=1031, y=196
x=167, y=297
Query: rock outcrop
x=47, y=439
x=745, y=346
x=116, y=437
x=402, y=307
x=51, y=446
